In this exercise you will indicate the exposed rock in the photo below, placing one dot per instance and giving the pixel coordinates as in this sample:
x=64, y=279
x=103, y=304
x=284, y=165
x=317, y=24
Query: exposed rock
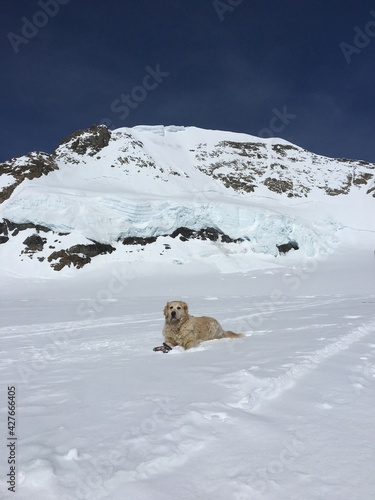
x=283, y=149
x=24, y=167
x=362, y=178
x=34, y=243
x=207, y=233
x=65, y=258
x=92, y=250
x=184, y=234
x=16, y=227
x=286, y=247
x=138, y=240
x=282, y=168
x=89, y=141
x=78, y=255
x=279, y=185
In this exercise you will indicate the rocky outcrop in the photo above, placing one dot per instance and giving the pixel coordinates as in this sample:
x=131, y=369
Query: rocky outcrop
x=92, y=250
x=89, y=141
x=283, y=168
x=36, y=164
x=184, y=234
x=207, y=233
x=119, y=162
x=279, y=186
x=286, y=247
x=65, y=258
x=13, y=228
x=29, y=166
x=34, y=243
x=78, y=255
x=138, y=240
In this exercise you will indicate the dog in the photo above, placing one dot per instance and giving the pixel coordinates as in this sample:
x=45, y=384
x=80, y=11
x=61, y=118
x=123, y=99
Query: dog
x=188, y=331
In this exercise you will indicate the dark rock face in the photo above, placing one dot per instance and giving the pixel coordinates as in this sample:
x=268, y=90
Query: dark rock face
x=78, y=255
x=282, y=168
x=185, y=234
x=36, y=164
x=286, y=247
x=8, y=227
x=3, y=228
x=207, y=233
x=279, y=186
x=65, y=258
x=34, y=243
x=92, y=250
x=89, y=141
x=14, y=227
x=28, y=166
x=138, y=240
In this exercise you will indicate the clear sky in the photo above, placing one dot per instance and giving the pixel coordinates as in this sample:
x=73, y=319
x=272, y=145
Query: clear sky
x=303, y=70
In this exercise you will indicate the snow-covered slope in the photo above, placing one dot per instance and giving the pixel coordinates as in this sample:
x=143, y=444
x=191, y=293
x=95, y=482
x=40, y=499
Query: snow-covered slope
x=285, y=413
x=139, y=185
x=165, y=213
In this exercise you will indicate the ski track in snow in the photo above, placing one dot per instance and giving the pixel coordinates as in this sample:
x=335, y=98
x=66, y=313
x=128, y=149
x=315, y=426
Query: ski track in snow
x=255, y=391
x=109, y=419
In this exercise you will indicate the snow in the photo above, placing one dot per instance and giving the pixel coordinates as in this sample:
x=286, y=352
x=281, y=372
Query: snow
x=149, y=181
x=284, y=413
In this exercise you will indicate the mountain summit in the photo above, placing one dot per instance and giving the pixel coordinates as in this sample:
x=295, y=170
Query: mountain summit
x=168, y=193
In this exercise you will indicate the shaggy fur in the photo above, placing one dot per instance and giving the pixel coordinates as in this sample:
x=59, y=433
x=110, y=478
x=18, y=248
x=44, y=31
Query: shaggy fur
x=189, y=331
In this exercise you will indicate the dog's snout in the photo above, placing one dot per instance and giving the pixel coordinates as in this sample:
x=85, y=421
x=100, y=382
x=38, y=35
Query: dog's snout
x=173, y=314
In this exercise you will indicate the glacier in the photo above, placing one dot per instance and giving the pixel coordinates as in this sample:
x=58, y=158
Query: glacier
x=147, y=181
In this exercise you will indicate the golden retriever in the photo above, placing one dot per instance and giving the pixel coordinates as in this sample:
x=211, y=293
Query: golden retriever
x=189, y=331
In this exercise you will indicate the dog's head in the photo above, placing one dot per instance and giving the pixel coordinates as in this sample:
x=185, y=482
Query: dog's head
x=175, y=311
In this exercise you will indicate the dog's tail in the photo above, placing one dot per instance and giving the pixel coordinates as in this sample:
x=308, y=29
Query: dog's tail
x=232, y=335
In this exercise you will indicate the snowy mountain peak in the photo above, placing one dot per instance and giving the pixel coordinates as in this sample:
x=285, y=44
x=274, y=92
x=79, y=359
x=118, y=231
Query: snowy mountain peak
x=102, y=187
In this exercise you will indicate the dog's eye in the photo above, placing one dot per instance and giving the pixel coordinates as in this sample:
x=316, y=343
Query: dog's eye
x=171, y=307
x=178, y=307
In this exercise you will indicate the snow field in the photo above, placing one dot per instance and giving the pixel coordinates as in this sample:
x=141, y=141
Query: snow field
x=284, y=413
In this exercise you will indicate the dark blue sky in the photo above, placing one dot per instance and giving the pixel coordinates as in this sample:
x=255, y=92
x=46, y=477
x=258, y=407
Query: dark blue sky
x=303, y=70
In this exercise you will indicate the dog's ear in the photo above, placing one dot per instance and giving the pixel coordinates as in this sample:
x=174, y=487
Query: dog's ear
x=185, y=306
x=166, y=309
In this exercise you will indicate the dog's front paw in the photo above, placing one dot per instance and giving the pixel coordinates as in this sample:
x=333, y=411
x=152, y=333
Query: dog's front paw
x=164, y=348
